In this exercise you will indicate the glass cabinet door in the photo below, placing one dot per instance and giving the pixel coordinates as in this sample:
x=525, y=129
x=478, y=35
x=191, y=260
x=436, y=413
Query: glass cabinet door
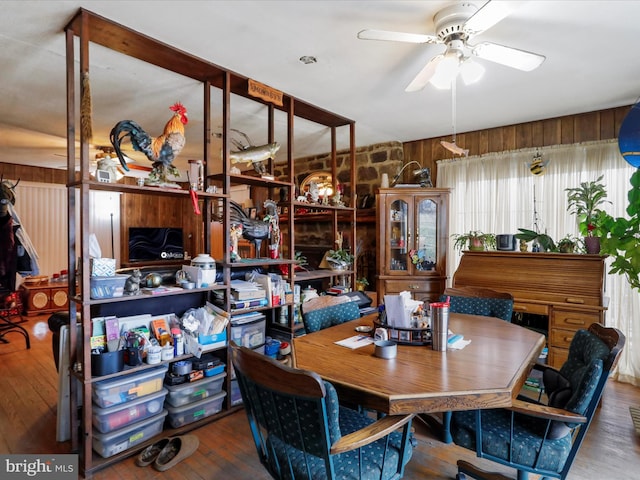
x=425, y=254
x=398, y=235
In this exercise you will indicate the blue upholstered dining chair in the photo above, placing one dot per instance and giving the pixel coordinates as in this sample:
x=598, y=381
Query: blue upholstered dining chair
x=475, y=301
x=480, y=301
x=302, y=432
x=538, y=438
x=328, y=316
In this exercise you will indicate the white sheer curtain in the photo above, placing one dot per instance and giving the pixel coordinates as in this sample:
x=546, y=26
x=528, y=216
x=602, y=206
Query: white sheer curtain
x=496, y=193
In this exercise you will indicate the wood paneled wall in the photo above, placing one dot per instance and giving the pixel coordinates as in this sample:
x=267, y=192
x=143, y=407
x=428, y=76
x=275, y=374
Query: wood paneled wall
x=33, y=174
x=139, y=210
x=584, y=127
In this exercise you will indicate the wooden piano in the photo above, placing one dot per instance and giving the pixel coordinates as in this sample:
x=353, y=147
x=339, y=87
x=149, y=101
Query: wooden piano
x=568, y=289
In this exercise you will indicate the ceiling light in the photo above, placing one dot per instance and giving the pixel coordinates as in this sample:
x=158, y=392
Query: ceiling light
x=471, y=71
x=449, y=68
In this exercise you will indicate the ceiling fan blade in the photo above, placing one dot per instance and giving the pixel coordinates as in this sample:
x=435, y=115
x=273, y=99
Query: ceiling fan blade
x=425, y=75
x=508, y=56
x=489, y=14
x=397, y=36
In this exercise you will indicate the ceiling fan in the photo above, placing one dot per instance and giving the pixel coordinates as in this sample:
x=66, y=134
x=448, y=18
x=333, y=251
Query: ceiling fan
x=455, y=26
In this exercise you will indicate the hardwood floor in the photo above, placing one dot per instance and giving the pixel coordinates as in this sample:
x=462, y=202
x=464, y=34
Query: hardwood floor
x=28, y=425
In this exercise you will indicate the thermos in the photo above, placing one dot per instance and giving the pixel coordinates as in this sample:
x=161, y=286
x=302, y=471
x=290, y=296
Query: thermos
x=439, y=325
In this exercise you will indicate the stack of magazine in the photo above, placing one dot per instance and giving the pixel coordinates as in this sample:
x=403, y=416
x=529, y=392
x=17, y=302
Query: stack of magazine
x=246, y=294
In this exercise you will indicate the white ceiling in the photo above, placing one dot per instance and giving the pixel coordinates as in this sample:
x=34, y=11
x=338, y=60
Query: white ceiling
x=591, y=49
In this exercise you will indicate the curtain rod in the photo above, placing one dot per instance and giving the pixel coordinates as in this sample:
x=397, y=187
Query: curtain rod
x=546, y=148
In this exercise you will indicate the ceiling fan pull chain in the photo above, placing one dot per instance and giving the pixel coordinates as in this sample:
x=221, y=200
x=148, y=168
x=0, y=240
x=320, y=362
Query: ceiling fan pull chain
x=453, y=107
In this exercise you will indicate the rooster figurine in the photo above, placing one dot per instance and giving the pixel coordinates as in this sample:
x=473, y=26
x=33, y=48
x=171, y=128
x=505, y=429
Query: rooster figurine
x=252, y=229
x=160, y=150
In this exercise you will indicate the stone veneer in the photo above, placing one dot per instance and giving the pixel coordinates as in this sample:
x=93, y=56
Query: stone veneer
x=371, y=162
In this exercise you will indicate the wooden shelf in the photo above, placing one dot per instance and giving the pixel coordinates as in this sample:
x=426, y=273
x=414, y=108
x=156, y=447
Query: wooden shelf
x=249, y=180
x=320, y=274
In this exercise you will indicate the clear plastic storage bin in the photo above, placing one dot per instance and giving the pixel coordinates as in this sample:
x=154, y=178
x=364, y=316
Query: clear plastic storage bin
x=192, y=412
x=126, y=387
x=249, y=335
x=107, y=287
x=108, y=419
x=108, y=444
x=191, y=392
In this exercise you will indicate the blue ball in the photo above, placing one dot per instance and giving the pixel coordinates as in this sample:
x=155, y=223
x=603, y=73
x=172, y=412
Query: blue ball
x=629, y=136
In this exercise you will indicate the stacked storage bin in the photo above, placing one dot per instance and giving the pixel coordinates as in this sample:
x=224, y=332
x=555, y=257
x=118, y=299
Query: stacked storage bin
x=128, y=410
x=247, y=330
x=194, y=400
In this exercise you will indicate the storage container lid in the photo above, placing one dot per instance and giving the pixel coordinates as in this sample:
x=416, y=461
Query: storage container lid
x=204, y=261
x=98, y=411
x=125, y=379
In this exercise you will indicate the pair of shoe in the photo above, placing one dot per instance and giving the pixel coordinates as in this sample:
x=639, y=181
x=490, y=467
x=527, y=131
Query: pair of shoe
x=167, y=452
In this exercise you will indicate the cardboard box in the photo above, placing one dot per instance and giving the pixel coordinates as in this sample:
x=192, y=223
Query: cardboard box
x=103, y=267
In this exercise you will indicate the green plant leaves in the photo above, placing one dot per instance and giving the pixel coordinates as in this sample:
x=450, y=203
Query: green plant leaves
x=622, y=237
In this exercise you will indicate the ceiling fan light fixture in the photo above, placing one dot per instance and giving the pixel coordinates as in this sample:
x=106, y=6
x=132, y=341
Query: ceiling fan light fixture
x=471, y=72
x=447, y=70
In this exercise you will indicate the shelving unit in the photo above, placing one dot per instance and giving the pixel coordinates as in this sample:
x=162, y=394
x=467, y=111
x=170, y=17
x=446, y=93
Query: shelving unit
x=88, y=28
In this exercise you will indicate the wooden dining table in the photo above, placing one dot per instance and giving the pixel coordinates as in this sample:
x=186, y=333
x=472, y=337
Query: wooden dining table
x=487, y=373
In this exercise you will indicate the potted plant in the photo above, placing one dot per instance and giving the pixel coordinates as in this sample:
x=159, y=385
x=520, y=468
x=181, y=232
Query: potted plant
x=474, y=240
x=339, y=259
x=568, y=244
x=622, y=238
x=362, y=283
x=585, y=202
x=541, y=241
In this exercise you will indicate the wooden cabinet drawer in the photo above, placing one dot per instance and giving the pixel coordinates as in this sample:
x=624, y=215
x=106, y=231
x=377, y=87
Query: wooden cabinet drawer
x=397, y=286
x=534, y=308
x=425, y=290
x=573, y=320
x=557, y=356
x=59, y=298
x=45, y=298
x=560, y=338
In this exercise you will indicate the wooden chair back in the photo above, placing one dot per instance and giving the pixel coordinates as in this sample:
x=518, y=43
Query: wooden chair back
x=301, y=431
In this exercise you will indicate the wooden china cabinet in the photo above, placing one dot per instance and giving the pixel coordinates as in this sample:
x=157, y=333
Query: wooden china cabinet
x=413, y=230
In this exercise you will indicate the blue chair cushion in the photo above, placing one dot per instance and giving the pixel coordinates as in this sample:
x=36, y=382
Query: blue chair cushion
x=485, y=306
x=528, y=434
x=583, y=369
x=326, y=317
x=347, y=465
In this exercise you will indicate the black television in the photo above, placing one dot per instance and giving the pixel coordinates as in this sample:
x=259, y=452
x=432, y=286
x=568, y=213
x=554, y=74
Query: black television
x=155, y=243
